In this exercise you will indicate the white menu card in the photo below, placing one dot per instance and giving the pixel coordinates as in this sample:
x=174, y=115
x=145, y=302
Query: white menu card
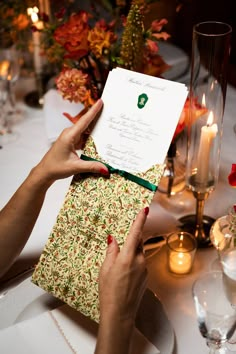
x=138, y=120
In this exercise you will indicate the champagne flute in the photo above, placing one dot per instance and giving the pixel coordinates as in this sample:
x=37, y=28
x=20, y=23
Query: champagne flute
x=9, y=74
x=216, y=317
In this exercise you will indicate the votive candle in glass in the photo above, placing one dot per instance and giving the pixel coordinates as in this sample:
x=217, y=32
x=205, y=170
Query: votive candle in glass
x=181, y=248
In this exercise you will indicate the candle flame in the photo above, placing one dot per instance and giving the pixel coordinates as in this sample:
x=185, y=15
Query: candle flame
x=210, y=119
x=33, y=13
x=34, y=17
x=30, y=10
x=4, y=68
x=204, y=100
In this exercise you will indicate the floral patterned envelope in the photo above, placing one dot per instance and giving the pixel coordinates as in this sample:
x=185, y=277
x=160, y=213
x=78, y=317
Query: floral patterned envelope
x=96, y=206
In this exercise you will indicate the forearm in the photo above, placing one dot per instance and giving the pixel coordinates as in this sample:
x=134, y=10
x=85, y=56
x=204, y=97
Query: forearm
x=18, y=217
x=114, y=336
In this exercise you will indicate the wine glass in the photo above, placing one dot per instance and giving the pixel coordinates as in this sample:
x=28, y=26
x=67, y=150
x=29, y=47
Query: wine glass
x=216, y=317
x=9, y=74
x=220, y=236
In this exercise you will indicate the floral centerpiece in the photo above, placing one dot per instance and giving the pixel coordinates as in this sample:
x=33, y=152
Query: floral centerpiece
x=15, y=24
x=84, y=47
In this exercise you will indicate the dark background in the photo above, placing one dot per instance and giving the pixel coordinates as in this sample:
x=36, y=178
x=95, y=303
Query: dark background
x=189, y=13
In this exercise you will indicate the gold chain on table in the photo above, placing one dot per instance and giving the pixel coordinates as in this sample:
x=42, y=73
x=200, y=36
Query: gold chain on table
x=62, y=332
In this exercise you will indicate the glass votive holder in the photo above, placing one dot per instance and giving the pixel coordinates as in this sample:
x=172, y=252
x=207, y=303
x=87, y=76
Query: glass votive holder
x=181, y=248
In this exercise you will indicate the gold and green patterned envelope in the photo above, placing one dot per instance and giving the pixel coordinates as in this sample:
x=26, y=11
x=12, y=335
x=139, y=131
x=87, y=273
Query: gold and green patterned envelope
x=132, y=137
x=94, y=207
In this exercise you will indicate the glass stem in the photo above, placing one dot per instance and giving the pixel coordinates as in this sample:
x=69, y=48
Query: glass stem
x=170, y=165
x=12, y=98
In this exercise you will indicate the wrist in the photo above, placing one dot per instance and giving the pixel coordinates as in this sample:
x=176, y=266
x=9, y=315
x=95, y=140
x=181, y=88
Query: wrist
x=117, y=325
x=39, y=178
x=114, y=335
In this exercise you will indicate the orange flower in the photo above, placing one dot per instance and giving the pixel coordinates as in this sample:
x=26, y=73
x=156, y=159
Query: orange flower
x=152, y=46
x=86, y=50
x=100, y=40
x=232, y=176
x=155, y=66
x=156, y=25
x=73, y=34
x=71, y=83
x=9, y=13
x=21, y=22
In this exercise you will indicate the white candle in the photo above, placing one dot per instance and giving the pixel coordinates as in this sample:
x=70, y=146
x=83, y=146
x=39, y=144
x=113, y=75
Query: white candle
x=208, y=133
x=180, y=261
x=36, y=36
x=44, y=7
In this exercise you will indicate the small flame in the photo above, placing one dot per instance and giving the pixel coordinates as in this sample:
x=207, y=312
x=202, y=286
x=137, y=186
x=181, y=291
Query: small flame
x=33, y=13
x=210, y=119
x=4, y=68
x=204, y=100
x=34, y=17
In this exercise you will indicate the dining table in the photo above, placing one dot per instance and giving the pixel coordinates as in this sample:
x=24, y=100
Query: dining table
x=174, y=292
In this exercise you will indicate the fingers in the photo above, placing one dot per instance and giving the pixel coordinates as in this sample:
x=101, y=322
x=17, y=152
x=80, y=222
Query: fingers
x=87, y=118
x=133, y=242
x=112, y=252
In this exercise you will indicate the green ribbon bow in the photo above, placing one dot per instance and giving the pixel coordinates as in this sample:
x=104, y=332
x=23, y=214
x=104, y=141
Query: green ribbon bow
x=142, y=182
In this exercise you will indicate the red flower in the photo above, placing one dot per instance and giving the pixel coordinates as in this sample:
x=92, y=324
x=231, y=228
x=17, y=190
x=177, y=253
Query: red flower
x=186, y=118
x=59, y=15
x=73, y=34
x=232, y=175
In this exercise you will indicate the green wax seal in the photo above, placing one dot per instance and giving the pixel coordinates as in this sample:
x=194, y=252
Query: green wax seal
x=142, y=100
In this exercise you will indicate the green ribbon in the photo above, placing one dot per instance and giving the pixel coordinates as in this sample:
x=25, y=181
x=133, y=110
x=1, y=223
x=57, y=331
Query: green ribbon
x=142, y=182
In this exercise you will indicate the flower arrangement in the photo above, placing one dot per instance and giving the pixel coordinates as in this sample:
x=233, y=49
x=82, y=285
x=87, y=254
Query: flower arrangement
x=15, y=23
x=85, y=47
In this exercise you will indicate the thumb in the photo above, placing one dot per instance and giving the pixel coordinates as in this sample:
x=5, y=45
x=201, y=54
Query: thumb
x=93, y=166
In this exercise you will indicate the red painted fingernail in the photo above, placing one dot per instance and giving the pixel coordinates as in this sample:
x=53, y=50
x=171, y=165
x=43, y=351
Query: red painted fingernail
x=109, y=239
x=104, y=172
x=146, y=210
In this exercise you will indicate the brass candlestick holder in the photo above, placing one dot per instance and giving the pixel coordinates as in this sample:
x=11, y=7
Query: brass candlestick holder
x=198, y=224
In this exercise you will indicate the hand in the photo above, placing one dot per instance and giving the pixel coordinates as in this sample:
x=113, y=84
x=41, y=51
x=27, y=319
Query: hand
x=123, y=275
x=61, y=160
x=122, y=282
